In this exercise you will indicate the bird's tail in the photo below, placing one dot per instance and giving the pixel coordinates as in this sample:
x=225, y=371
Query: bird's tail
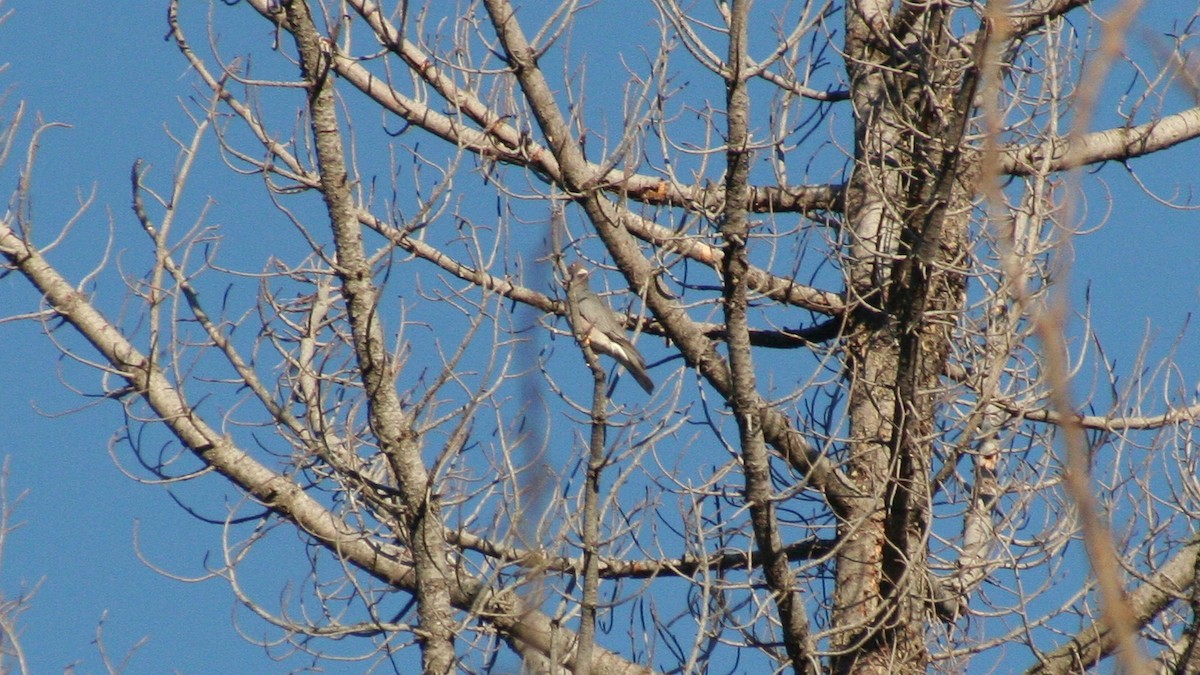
x=629, y=357
x=643, y=379
x=638, y=370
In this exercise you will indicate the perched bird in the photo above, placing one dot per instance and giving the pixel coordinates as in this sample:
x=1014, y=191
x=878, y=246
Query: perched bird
x=600, y=328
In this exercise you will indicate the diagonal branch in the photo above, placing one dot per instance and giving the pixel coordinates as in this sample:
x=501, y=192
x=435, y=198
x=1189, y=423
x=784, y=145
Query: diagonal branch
x=525, y=628
x=1063, y=153
x=609, y=220
x=1097, y=640
x=766, y=199
x=391, y=425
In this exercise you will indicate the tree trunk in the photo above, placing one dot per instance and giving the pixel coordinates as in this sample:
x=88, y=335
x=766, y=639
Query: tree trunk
x=906, y=225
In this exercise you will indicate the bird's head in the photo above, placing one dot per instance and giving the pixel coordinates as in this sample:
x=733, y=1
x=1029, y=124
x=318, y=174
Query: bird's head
x=577, y=272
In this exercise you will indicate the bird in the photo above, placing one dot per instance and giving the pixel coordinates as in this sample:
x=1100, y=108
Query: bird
x=597, y=326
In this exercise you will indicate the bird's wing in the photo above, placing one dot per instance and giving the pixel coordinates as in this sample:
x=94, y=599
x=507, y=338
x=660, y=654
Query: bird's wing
x=599, y=315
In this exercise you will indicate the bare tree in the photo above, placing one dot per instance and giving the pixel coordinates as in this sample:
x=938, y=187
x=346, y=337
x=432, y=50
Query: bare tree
x=833, y=231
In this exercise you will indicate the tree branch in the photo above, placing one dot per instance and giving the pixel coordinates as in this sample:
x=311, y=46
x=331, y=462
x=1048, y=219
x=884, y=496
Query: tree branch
x=1122, y=144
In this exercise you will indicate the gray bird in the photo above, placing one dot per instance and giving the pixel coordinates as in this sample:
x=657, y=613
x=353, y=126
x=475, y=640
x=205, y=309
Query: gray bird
x=598, y=326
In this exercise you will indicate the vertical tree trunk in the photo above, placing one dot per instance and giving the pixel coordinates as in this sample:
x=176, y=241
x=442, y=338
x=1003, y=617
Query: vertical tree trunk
x=905, y=223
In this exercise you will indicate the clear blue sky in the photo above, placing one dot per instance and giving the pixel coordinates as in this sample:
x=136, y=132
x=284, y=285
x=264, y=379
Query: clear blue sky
x=110, y=74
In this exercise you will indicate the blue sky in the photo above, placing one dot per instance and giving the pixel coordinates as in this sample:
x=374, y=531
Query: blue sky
x=111, y=75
